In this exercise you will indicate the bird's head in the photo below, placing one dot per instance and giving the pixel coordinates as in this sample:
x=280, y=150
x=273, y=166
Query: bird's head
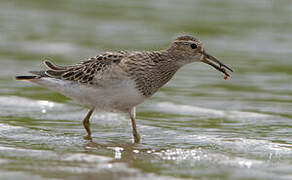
x=188, y=49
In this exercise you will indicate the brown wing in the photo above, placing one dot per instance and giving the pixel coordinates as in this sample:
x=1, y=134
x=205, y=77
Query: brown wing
x=85, y=71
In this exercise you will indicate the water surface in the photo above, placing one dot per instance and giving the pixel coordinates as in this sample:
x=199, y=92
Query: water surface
x=198, y=126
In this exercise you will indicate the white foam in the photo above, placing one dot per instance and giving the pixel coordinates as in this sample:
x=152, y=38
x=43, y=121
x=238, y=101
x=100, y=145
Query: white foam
x=194, y=156
x=261, y=147
x=19, y=104
x=253, y=146
x=79, y=157
x=6, y=127
x=198, y=111
x=2, y=161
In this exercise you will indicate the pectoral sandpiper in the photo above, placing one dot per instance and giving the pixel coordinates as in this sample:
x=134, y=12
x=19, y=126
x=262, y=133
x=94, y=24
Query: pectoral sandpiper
x=121, y=80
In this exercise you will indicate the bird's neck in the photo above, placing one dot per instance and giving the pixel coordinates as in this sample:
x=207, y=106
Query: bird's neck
x=154, y=71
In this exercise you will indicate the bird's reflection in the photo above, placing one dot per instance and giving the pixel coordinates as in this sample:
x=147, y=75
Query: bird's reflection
x=121, y=151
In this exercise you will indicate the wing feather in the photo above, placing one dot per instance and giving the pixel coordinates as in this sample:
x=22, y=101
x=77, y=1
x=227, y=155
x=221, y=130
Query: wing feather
x=85, y=71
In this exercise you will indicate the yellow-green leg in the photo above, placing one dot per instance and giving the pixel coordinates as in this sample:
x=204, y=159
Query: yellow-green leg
x=86, y=124
x=135, y=133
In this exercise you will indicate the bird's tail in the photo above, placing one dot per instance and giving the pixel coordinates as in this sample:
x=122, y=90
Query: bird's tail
x=39, y=74
x=26, y=78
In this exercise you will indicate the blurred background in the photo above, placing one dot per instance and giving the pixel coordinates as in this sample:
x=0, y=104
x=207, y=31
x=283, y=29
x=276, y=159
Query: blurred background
x=198, y=126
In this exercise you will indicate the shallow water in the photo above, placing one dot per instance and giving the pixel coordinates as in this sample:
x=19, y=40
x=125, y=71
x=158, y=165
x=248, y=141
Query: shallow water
x=198, y=126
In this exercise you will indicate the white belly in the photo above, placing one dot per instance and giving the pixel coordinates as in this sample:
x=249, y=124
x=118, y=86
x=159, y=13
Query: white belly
x=115, y=95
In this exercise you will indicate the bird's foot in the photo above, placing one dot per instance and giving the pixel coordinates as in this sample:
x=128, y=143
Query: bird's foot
x=88, y=137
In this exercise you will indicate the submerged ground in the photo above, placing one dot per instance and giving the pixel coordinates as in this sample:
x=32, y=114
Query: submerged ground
x=199, y=126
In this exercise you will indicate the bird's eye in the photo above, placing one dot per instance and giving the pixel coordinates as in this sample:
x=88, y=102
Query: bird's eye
x=194, y=46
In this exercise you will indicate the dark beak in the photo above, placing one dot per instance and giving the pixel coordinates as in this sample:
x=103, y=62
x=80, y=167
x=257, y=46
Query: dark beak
x=207, y=58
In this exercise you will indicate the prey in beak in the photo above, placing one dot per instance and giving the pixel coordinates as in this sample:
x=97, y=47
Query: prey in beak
x=211, y=60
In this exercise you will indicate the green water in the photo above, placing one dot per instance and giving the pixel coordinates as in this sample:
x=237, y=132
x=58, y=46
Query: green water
x=198, y=126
